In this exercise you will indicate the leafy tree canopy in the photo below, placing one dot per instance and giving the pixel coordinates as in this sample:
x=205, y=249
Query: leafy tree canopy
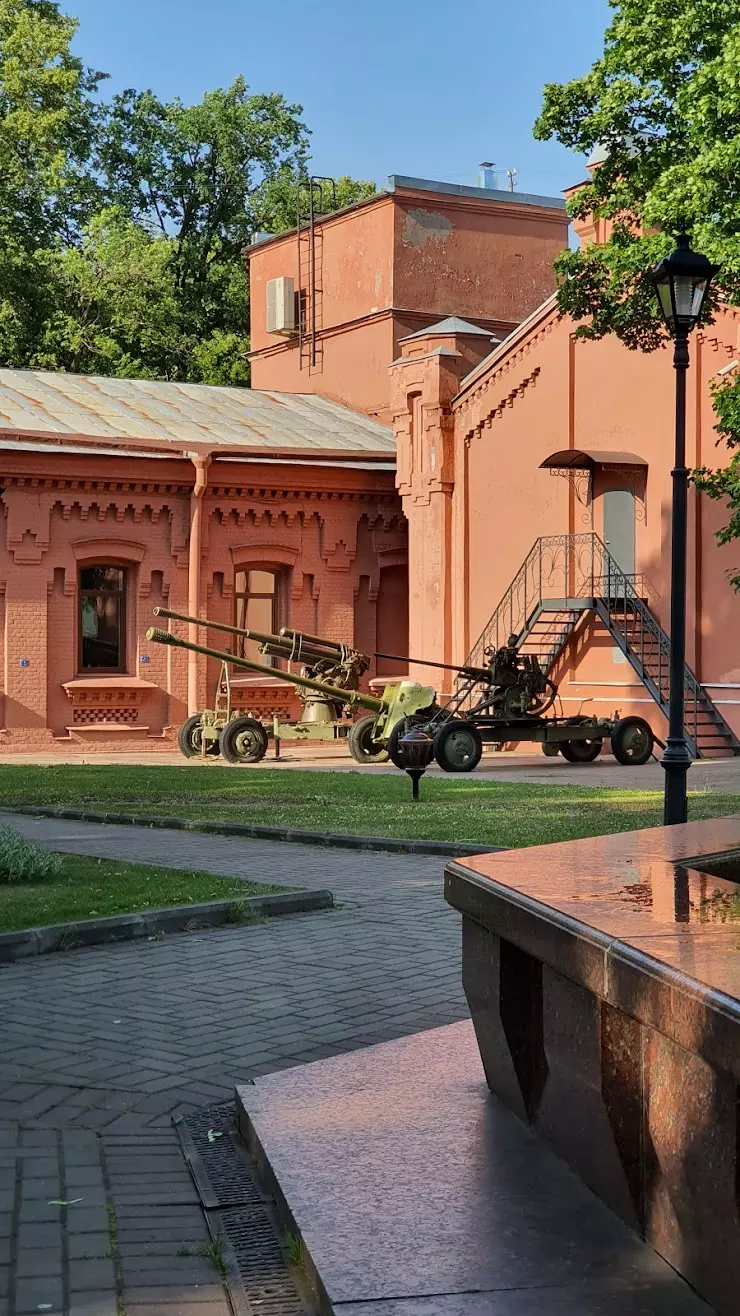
x=663, y=104
x=122, y=225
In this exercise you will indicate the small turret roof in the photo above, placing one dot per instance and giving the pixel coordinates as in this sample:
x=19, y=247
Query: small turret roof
x=452, y=325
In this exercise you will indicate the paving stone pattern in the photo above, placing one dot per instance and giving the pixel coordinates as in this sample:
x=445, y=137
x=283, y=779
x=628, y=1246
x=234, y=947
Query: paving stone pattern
x=102, y=1046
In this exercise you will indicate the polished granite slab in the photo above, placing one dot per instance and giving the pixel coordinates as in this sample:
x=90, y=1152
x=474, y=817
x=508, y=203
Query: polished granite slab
x=417, y=1193
x=603, y=979
x=631, y=917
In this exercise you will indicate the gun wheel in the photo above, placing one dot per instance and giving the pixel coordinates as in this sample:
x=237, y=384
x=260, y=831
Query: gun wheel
x=243, y=740
x=458, y=746
x=581, y=751
x=632, y=741
x=362, y=747
x=190, y=739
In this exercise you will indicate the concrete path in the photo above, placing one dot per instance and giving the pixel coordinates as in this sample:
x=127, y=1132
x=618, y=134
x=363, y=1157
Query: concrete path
x=706, y=774
x=100, y=1047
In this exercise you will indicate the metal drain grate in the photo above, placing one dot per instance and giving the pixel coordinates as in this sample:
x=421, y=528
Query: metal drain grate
x=267, y=1277
x=219, y=1167
x=261, y=1279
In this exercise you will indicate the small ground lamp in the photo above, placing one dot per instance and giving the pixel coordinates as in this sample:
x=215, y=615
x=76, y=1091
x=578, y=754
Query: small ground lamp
x=682, y=282
x=415, y=752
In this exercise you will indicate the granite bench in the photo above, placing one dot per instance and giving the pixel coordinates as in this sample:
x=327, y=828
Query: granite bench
x=603, y=978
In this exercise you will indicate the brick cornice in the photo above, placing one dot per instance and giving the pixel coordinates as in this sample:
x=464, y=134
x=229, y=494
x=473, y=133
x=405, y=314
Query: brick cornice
x=127, y=487
x=217, y=491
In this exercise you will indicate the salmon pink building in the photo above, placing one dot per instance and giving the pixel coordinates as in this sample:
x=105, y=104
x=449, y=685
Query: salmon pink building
x=121, y=495
x=331, y=302
x=534, y=469
x=537, y=489
x=429, y=461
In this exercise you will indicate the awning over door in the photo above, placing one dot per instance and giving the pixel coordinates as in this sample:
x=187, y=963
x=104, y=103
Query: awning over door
x=584, y=459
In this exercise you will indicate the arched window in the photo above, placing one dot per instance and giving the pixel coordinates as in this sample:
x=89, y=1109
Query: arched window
x=255, y=609
x=101, y=623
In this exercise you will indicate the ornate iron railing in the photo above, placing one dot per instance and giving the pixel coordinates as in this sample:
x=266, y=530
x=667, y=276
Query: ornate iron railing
x=564, y=576
x=560, y=567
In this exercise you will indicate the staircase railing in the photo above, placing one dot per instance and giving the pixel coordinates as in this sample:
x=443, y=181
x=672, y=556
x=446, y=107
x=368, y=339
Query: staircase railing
x=556, y=567
x=566, y=575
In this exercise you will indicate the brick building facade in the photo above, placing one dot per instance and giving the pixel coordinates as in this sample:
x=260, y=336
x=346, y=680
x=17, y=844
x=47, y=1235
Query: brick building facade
x=122, y=495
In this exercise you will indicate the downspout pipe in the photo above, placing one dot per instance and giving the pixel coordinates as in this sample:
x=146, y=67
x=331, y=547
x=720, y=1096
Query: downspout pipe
x=201, y=464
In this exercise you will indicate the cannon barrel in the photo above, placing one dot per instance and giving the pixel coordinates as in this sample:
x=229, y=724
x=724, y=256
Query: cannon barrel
x=291, y=645
x=260, y=637
x=351, y=697
x=475, y=673
x=333, y=645
x=282, y=647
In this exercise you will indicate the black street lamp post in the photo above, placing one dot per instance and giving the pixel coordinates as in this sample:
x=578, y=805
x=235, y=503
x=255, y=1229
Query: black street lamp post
x=682, y=283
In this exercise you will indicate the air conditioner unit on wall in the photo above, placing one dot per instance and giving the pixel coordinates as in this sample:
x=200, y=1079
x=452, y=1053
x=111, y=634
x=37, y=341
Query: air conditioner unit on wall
x=281, y=309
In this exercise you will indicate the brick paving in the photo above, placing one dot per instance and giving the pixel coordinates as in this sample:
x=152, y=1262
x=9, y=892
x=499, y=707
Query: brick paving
x=102, y=1046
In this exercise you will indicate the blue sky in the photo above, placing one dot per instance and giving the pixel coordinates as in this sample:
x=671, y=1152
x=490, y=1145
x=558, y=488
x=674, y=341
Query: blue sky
x=422, y=87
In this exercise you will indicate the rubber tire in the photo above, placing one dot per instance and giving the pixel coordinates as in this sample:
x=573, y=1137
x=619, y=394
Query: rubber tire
x=620, y=735
x=236, y=727
x=186, y=740
x=359, y=744
x=581, y=751
x=550, y=749
x=442, y=740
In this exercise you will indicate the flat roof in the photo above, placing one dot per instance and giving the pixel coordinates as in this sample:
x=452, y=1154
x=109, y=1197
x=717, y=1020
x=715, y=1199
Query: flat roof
x=401, y=182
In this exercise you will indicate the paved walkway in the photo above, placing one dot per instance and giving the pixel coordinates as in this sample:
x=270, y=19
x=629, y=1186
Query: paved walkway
x=102, y=1046
x=706, y=774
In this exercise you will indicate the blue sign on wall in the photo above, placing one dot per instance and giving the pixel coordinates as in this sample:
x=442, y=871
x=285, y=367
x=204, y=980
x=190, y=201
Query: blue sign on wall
x=24, y=662
x=144, y=658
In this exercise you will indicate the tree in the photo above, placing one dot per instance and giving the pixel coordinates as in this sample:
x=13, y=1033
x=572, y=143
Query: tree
x=122, y=226
x=203, y=179
x=663, y=104
x=48, y=122
x=275, y=205
x=116, y=309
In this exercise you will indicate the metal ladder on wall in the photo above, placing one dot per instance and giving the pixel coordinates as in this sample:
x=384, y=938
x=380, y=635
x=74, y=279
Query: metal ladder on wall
x=566, y=578
x=310, y=207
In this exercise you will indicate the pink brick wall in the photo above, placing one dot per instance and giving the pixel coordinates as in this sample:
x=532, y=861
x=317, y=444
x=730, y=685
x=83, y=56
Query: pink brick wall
x=325, y=535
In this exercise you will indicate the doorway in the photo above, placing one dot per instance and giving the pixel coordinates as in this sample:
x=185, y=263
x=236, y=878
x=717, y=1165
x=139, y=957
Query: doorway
x=619, y=527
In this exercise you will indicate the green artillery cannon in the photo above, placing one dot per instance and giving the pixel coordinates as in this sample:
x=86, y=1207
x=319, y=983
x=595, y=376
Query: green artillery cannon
x=507, y=701
x=329, y=700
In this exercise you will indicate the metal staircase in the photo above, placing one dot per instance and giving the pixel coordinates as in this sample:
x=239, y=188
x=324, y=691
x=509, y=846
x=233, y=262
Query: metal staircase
x=566, y=578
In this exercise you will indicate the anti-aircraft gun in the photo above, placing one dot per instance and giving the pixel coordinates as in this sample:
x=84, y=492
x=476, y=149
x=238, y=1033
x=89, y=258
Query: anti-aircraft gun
x=506, y=701
x=327, y=685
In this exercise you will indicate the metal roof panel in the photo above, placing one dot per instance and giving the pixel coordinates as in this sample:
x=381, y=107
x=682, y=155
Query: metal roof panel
x=37, y=402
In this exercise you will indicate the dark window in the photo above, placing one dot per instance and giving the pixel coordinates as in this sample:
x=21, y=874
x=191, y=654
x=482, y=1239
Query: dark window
x=255, y=609
x=102, y=592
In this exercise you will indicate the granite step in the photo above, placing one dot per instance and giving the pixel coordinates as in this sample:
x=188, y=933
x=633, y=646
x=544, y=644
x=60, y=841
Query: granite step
x=415, y=1192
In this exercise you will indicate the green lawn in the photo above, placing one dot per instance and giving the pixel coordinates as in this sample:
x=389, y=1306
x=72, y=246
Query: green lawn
x=95, y=888
x=465, y=808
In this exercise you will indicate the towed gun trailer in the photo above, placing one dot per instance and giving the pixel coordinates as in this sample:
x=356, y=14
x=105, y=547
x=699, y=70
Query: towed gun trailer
x=329, y=696
x=506, y=701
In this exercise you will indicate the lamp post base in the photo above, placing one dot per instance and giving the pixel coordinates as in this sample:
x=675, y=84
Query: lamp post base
x=676, y=762
x=416, y=775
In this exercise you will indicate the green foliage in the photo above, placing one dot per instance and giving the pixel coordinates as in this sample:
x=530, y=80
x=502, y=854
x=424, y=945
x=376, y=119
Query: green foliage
x=48, y=125
x=122, y=226
x=25, y=861
x=663, y=102
x=276, y=202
